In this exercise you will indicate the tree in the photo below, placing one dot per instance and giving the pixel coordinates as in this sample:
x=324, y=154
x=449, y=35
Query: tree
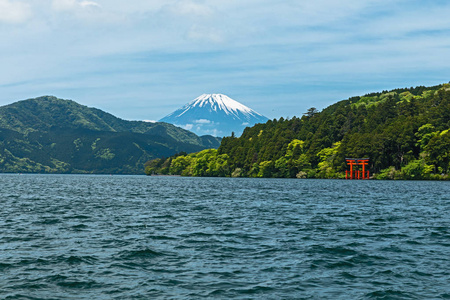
x=180, y=164
x=311, y=112
x=439, y=152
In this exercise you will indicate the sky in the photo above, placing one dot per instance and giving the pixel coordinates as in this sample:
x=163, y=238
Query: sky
x=143, y=59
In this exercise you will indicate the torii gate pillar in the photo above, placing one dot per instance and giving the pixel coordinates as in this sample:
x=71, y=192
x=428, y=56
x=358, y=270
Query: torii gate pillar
x=357, y=174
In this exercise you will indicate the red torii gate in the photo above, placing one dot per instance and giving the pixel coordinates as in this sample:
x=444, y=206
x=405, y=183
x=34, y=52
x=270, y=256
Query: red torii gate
x=357, y=174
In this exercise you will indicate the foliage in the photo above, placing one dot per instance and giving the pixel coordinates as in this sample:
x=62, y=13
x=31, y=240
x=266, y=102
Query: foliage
x=404, y=132
x=50, y=135
x=204, y=163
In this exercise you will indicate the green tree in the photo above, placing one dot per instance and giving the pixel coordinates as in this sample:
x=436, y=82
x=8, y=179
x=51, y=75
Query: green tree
x=416, y=169
x=325, y=167
x=180, y=164
x=202, y=161
x=266, y=169
x=439, y=152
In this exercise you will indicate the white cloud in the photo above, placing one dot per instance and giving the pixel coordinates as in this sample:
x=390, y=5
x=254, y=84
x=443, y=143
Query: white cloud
x=89, y=4
x=193, y=9
x=14, y=12
x=202, y=121
x=213, y=132
x=187, y=126
x=74, y=5
x=194, y=21
x=260, y=49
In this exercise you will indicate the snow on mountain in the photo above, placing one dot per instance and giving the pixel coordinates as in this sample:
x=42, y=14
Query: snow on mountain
x=214, y=114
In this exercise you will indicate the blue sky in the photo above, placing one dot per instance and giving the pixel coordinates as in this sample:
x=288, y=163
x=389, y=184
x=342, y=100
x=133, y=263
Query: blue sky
x=143, y=59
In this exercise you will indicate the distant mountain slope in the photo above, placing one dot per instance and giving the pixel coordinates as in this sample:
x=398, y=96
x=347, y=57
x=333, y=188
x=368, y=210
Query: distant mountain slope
x=48, y=134
x=215, y=114
x=48, y=112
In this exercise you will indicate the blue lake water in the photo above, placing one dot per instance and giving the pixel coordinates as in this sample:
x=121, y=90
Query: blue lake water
x=137, y=237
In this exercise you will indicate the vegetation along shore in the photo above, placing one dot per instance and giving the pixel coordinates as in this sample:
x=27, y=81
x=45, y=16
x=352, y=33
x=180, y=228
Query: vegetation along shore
x=405, y=133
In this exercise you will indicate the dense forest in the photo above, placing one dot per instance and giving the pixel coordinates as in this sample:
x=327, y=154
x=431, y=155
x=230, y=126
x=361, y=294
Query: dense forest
x=51, y=135
x=404, y=132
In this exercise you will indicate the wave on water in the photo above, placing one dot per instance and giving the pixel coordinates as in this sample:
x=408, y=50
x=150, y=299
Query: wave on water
x=139, y=254
x=135, y=237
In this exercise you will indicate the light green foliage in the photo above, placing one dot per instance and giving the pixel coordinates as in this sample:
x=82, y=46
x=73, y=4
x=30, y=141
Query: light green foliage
x=302, y=163
x=416, y=169
x=388, y=173
x=406, y=96
x=60, y=166
x=425, y=133
x=254, y=171
x=281, y=165
x=366, y=101
x=404, y=133
x=202, y=160
x=438, y=149
x=265, y=169
x=294, y=149
x=180, y=164
x=204, y=163
x=105, y=154
x=218, y=165
x=293, y=161
x=94, y=144
x=385, y=96
x=78, y=143
x=325, y=166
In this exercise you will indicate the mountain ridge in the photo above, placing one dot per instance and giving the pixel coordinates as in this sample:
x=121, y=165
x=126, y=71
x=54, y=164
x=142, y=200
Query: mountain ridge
x=52, y=135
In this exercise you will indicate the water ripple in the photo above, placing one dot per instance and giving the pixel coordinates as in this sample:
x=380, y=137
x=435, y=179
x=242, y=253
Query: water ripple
x=134, y=237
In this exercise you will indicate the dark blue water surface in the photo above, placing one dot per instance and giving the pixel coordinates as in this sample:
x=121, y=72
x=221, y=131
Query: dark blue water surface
x=136, y=237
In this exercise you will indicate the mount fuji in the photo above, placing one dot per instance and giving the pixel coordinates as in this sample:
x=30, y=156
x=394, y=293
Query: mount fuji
x=214, y=114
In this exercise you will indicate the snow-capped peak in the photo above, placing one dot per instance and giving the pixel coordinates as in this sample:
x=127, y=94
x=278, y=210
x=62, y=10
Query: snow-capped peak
x=220, y=102
x=214, y=114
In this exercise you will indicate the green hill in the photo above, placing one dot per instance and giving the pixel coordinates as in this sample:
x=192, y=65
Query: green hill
x=404, y=132
x=52, y=135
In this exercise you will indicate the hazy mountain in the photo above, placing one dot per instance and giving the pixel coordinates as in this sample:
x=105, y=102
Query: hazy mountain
x=48, y=134
x=214, y=114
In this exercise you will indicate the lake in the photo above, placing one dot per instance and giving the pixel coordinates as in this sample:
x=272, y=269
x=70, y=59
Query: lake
x=137, y=237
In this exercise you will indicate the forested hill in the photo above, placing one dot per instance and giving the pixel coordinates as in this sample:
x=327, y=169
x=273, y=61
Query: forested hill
x=51, y=135
x=404, y=132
